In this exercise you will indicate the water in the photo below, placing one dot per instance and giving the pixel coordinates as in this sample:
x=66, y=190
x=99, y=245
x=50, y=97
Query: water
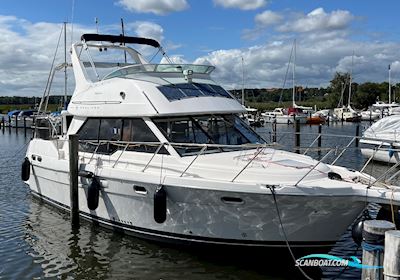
x=36, y=240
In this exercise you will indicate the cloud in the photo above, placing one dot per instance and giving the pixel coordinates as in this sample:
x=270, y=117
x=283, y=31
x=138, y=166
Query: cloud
x=240, y=4
x=319, y=20
x=158, y=7
x=317, y=61
x=267, y=18
x=28, y=50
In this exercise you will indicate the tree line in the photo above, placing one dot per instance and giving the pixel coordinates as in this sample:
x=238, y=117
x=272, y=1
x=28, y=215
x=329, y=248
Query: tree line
x=336, y=94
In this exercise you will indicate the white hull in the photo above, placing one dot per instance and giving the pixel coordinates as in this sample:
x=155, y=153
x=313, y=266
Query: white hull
x=201, y=216
x=20, y=122
x=382, y=155
x=369, y=116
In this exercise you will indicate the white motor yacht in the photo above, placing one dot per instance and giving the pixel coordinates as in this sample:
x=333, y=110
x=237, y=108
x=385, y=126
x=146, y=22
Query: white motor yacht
x=382, y=140
x=370, y=115
x=164, y=155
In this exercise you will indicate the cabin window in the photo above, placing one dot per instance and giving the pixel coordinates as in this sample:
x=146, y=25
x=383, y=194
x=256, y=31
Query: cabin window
x=112, y=131
x=207, y=129
x=136, y=130
x=90, y=133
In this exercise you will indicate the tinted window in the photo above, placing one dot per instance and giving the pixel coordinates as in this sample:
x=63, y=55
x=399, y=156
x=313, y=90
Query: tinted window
x=116, y=130
x=188, y=90
x=110, y=130
x=89, y=131
x=136, y=130
x=208, y=129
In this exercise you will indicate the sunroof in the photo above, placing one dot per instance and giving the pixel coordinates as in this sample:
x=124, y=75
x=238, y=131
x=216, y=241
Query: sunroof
x=181, y=91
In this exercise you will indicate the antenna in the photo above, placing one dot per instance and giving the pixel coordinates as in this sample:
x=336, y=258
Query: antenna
x=242, y=81
x=96, y=20
x=351, y=75
x=294, y=70
x=123, y=35
x=390, y=87
x=65, y=65
x=72, y=21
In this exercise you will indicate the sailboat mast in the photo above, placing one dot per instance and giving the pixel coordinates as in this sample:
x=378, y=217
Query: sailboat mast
x=390, y=88
x=294, y=70
x=65, y=65
x=350, y=79
x=242, y=82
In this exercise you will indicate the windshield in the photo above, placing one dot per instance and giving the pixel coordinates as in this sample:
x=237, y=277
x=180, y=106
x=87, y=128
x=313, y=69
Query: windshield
x=207, y=129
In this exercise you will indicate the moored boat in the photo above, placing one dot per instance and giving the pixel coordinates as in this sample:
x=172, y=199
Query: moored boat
x=164, y=155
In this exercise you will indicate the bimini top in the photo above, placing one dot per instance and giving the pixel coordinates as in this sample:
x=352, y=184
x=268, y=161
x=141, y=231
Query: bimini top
x=119, y=39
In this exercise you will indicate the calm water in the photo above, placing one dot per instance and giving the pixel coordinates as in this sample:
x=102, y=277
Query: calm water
x=36, y=240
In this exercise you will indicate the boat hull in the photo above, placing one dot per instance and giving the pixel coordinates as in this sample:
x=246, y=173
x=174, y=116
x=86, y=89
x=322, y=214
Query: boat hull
x=205, y=216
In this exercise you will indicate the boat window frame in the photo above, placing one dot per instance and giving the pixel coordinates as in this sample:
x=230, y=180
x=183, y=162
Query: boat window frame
x=162, y=151
x=167, y=119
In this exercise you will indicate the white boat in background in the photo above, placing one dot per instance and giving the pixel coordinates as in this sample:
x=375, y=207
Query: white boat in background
x=382, y=140
x=386, y=109
x=347, y=114
x=164, y=155
x=327, y=114
x=370, y=115
x=25, y=118
x=279, y=116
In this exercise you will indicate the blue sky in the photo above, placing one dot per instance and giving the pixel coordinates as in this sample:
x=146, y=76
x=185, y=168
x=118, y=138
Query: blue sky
x=218, y=32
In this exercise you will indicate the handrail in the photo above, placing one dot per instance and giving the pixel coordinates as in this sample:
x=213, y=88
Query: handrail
x=313, y=142
x=371, y=157
x=342, y=152
x=154, y=154
x=311, y=169
x=190, y=164
x=240, y=172
x=126, y=147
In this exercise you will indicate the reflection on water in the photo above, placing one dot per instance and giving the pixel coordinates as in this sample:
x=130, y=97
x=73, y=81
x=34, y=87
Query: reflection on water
x=36, y=240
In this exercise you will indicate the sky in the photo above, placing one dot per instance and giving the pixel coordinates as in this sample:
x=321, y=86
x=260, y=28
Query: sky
x=216, y=32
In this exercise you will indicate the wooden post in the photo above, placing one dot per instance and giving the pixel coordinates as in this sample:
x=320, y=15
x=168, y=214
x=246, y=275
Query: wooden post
x=9, y=124
x=73, y=178
x=373, y=236
x=297, y=136
x=25, y=126
x=319, y=139
x=357, y=135
x=16, y=124
x=274, y=131
x=3, y=123
x=391, y=263
x=342, y=118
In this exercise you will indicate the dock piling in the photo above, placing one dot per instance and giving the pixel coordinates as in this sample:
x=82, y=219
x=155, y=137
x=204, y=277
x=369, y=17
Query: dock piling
x=9, y=124
x=25, y=126
x=357, y=135
x=73, y=178
x=274, y=132
x=297, y=136
x=319, y=139
x=373, y=242
x=391, y=263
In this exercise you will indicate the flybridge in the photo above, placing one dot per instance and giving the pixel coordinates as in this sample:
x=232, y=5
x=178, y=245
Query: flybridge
x=119, y=39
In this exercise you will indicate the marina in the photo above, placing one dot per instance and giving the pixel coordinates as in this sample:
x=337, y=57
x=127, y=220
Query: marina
x=48, y=246
x=154, y=154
